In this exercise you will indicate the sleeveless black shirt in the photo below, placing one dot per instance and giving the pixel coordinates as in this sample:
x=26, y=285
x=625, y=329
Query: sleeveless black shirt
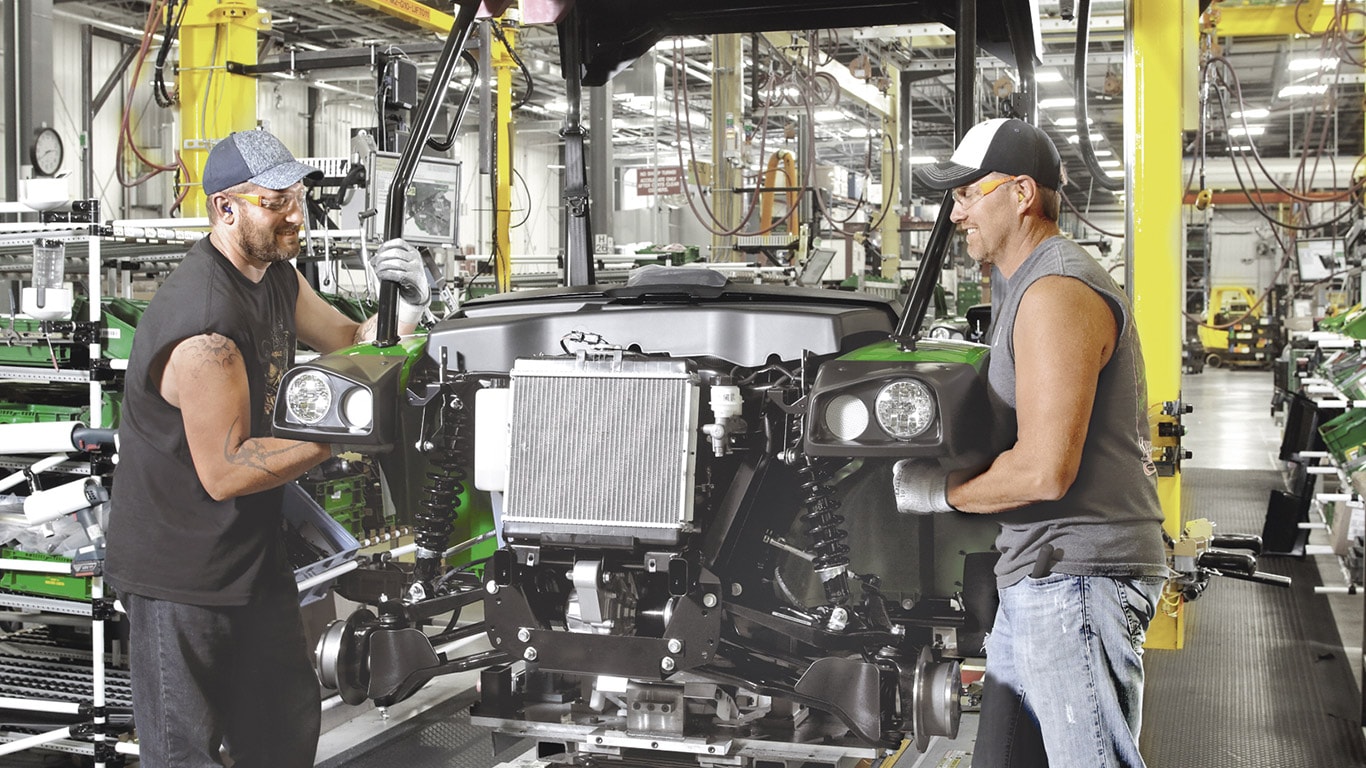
x=168, y=539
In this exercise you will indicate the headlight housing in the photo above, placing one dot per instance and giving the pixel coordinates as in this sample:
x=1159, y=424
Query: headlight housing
x=884, y=401
x=351, y=397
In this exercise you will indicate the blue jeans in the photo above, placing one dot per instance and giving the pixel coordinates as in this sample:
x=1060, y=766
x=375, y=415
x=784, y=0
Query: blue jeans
x=1064, y=673
x=203, y=676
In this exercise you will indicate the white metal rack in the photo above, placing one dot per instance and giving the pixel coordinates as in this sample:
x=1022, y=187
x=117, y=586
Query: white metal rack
x=92, y=740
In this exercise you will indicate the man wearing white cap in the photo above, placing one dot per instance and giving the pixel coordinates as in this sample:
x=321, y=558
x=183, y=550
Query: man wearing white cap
x=1082, y=560
x=195, y=548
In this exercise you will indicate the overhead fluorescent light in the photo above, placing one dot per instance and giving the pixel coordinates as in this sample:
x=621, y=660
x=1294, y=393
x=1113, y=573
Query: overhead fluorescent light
x=921, y=160
x=686, y=43
x=1063, y=101
x=1095, y=137
x=828, y=115
x=1240, y=148
x=1251, y=130
x=1109, y=163
x=1069, y=122
x=1103, y=153
x=1048, y=76
x=1309, y=64
x=1251, y=114
x=1301, y=90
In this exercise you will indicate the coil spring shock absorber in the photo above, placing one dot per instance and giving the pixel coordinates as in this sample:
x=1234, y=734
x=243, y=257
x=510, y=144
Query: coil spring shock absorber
x=441, y=497
x=824, y=525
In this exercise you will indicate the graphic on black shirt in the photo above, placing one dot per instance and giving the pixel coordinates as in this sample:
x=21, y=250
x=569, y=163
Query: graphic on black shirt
x=274, y=361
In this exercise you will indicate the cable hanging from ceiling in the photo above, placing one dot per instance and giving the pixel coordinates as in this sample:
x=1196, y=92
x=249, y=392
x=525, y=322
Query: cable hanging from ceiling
x=127, y=143
x=800, y=84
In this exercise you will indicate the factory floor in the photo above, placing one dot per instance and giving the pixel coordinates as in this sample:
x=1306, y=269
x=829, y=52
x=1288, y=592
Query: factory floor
x=1267, y=677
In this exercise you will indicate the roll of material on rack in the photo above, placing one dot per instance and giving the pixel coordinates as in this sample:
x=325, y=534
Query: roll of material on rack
x=42, y=506
x=38, y=437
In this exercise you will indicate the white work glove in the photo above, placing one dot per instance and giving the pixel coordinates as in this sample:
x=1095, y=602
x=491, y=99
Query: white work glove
x=401, y=263
x=921, y=487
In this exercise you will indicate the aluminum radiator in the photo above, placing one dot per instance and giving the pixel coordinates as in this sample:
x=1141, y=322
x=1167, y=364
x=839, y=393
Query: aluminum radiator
x=601, y=450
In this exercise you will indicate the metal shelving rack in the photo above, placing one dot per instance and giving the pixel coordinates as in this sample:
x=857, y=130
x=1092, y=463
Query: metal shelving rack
x=1326, y=394
x=91, y=734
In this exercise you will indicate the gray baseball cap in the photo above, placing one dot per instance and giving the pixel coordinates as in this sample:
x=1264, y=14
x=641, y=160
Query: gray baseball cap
x=254, y=156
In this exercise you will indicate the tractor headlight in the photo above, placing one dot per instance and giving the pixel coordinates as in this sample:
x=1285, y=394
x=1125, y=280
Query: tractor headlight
x=905, y=409
x=358, y=408
x=309, y=398
x=352, y=397
x=846, y=417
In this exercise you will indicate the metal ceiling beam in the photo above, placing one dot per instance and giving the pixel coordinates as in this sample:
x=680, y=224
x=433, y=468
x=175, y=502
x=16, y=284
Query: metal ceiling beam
x=1285, y=19
x=414, y=13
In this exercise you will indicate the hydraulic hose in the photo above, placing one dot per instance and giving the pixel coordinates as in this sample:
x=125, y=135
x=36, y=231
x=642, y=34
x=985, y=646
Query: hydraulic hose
x=1088, y=152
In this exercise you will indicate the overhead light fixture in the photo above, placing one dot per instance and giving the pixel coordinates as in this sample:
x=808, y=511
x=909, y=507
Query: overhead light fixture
x=1062, y=101
x=921, y=159
x=1048, y=76
x=1251, y=114
x=1070, y=122
x=1103, y=153
x=1306, y=65
x=1240, y=148
x=686, y=43
x=828, y=115
x=1109, y=163
x=1251, y=130
x=1302, y=90
x=1076, y=139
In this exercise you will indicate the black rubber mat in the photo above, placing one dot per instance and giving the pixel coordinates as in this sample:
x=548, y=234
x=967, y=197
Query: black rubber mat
x=1263, y=680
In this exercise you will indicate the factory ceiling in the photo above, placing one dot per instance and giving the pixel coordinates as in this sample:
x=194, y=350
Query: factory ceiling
x=1300, y=95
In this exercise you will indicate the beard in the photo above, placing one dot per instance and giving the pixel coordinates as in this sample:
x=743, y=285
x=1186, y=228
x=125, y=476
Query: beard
x=270, y=245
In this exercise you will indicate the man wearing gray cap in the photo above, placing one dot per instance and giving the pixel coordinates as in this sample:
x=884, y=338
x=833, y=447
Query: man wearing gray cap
x=1082, y=560
x=195, y=548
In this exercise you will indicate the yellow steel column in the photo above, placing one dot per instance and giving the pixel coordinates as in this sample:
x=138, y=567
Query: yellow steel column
x=891, y=177
x=213, y=102
x=1156, y=45
x=503, y=67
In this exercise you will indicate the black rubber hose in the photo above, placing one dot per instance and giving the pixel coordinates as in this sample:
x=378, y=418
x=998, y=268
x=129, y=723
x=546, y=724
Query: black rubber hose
x=1088, y=152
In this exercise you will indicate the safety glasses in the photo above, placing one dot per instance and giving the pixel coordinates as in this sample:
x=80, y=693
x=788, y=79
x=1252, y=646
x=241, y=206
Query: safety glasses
x=969, y=195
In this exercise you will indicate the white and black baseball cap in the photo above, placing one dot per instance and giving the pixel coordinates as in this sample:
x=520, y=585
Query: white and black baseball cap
x=1000, y=145
x=255, y=156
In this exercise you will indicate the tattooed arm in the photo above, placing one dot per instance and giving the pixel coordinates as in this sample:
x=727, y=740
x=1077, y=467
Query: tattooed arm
x=206, y=379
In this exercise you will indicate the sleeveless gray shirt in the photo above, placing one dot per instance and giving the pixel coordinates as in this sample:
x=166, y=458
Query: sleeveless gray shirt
x=1109, y=522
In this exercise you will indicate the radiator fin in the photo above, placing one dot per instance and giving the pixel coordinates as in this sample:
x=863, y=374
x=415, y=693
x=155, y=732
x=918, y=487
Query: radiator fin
x=607, y=454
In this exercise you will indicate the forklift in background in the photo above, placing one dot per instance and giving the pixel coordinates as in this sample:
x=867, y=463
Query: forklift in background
x=1239, y=329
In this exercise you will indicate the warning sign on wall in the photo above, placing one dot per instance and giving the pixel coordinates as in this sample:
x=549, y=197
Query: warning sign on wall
x=667, y=180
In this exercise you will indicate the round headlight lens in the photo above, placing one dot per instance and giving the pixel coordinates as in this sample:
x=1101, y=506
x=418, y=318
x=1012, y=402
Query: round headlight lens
x=846, y=417
x=945, y=332
x=358, y=408
x=905, y=409
x=308, y=397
